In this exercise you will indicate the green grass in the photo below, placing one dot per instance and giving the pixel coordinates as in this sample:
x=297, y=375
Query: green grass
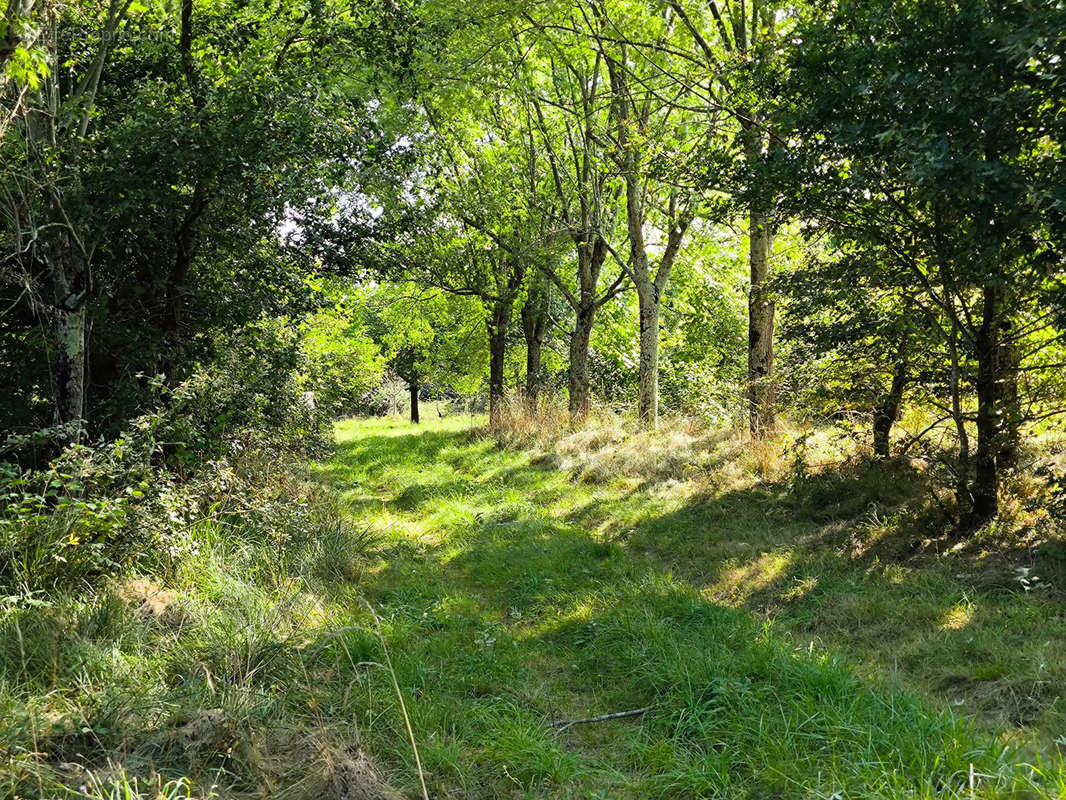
x=515, y=595
x=780, y=656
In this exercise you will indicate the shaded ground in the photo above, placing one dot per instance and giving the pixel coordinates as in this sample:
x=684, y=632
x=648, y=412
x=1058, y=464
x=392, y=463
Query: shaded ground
x=513, y=596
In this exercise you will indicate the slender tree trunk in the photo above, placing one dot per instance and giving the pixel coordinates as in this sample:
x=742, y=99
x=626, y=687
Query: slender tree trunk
x=70, y=365
x=534, y=319
x=185, y=244
x=962, y=469
x=497, y=355
x=887, y=410
x=499, y=321
x=68, y=274
x=414, y=402
x=1008, y=402
x=579, y=362
x=591, y=253
x=534, y=347
x=760, y=327
x=648, y=387
x=989, y=415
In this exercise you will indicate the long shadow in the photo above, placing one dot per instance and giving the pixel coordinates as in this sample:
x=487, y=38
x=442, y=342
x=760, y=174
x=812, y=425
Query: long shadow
x=631, y=624
x=831, y=563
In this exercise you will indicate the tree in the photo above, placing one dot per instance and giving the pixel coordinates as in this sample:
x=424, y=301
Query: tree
x=738, y=42
x=429, y=338
x=570, y=111
x=535, y=329
x=858, y=335
x=649, y=143
x=938, y=145
x=149, y=151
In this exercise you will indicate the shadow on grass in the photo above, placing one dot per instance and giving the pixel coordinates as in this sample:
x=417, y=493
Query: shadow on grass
x=826, y=556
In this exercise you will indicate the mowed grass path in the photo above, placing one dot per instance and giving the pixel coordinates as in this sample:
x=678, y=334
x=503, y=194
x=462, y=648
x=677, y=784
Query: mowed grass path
x=512, y=597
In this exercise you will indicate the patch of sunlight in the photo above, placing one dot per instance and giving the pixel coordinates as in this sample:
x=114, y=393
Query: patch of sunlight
x=895, y=573
x=800, y=588
x=580, y=613
x=448, y=554
x=394, y=527
x=736, y=585
x=957, y=618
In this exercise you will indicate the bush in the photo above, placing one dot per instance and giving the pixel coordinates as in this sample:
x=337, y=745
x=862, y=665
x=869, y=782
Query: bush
x=220, y=446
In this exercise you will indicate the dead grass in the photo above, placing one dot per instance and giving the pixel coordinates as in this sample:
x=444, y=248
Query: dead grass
x=680, y=449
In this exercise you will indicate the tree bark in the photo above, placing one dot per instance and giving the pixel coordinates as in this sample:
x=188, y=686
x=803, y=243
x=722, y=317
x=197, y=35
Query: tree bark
x=499, y=321
x=1008, y=401
x=591, y=254
x=185, y=244
x=648, y=386
x=414, y=402
x=962, y=468
x=70, y=365
x=887, y=410
x=68, y=274
x=989, y=415
x=761, y=310
x=534, y=325
x=579, y=363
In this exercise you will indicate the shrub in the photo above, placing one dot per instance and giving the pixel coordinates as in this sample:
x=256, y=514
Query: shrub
x=219, y=446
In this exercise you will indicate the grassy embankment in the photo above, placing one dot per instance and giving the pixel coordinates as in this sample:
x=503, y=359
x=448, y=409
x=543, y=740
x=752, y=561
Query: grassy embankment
x=777, y=654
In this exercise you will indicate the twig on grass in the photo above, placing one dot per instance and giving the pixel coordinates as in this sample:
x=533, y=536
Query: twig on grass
x=567, y=724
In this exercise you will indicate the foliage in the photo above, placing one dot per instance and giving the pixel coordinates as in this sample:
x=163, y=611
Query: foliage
x=341, y=363
x=101, y=509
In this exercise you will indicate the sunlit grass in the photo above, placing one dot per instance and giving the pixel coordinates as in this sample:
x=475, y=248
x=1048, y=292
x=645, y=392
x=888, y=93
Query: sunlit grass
x=775, y=655
x=602, y=585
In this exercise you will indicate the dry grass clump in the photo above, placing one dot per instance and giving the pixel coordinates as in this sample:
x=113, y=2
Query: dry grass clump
x=520, y=425
x=680, y=449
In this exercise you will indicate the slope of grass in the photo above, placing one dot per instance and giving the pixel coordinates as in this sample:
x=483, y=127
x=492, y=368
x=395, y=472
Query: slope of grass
x=514, y=595
x=768, y=650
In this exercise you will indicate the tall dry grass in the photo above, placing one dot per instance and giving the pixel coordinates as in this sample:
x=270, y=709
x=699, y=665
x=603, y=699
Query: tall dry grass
x=608, y=445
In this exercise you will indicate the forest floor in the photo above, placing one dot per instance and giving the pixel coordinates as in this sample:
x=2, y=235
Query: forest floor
x=776, y=652
x=777, y=632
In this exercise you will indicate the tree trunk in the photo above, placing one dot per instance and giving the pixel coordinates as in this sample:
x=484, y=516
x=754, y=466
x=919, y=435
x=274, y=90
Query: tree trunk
x=68, y=274
x=760, y=327
x=534, y=319
x=648, y=391
x=70, y=365
x=962, y=468
x=579, y=363
x=414, y=402
x=498, y=323
x=534, y=348
x=989, y=415
x=887, y=410
x=497, y=354
x=1008, y=401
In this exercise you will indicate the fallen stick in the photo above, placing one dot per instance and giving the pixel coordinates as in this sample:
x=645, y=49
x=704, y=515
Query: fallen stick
x=567, y=724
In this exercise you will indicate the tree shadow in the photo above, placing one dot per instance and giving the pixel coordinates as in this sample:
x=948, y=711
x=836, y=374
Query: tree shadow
x=827, y=556
x=837, y=562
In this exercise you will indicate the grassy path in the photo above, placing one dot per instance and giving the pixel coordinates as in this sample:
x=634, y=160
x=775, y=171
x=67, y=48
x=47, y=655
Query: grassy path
x=509, y=600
